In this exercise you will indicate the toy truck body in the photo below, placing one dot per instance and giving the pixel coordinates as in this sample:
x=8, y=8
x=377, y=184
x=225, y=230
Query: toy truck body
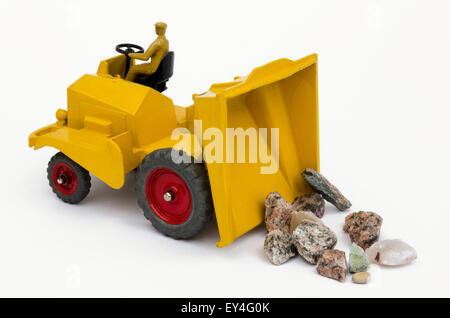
x=112, y=126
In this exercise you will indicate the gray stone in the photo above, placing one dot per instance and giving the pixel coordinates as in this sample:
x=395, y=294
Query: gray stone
x=273, y=200
x=312, y=239
x=310, y=202
x=278, y=247
x=329, y=192
x=333, y=264
x=278, y=212
x=363, y=227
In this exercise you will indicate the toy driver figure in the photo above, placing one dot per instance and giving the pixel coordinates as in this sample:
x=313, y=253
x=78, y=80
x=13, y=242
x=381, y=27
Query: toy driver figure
x=156, y=51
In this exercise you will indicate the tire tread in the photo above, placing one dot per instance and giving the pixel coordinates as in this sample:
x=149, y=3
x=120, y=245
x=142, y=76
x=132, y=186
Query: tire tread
x=195, y=176
x=83, y=179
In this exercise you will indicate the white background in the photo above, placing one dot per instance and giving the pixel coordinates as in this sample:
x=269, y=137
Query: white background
x=384, y=69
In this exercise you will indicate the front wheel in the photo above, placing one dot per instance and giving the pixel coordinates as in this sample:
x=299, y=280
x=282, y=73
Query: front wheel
x=175, y=197
x=70, y=182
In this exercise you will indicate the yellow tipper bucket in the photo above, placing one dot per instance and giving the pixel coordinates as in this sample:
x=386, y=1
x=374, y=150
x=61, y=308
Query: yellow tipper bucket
x=280, y=98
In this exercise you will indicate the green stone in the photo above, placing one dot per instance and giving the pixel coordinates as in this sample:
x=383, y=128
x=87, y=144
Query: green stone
x=328, y=191
x=359, y=262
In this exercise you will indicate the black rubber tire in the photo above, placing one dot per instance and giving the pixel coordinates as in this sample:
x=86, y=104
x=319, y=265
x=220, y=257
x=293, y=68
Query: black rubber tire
x=83, y=179
x=196, y=178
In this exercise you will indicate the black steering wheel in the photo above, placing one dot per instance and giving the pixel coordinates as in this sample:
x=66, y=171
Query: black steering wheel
x=127, y=48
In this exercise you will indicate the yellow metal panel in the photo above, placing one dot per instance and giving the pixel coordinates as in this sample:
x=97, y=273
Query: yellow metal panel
x=98, y=124
x=114, y=66
x=168, y=142
x=110, y=123
x=155, y=119
x=283, y=95
x=94, y=152
x=147, y=113
x=180, y=113
x=112, y=93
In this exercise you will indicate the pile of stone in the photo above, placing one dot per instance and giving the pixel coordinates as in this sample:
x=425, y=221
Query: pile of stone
x=296, y=228
x=364, y=231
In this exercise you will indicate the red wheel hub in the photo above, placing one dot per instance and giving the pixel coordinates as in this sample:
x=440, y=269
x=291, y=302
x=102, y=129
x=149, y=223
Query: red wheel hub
x=168, y=196
x=64, y=178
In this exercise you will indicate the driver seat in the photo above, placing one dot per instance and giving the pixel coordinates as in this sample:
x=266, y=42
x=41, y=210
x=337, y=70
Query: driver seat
x=162, y=74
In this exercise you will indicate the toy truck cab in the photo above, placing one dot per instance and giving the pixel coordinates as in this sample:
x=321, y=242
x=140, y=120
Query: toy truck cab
x=110, y=123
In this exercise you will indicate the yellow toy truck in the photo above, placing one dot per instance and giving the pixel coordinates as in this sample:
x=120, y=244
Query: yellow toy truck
x=113, y=126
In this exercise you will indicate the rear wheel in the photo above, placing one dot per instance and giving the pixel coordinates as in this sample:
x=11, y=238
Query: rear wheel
x=175, y=197
x=70, y=182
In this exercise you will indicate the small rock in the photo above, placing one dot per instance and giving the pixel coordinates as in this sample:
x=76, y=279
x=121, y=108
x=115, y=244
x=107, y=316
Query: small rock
x=329, y=192
x=298, y=216
x=279, y=219
x=311, y=239
x=391, y=253
x=278, y=212
x=333, y=264
x=361, y=278
x=310, y=202
x=278, y=247
x=275, y=199
x=359, y=262
x=363, y=227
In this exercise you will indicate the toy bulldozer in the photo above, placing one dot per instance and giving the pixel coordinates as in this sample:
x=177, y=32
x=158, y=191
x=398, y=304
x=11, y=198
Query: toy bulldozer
x=113, y=126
